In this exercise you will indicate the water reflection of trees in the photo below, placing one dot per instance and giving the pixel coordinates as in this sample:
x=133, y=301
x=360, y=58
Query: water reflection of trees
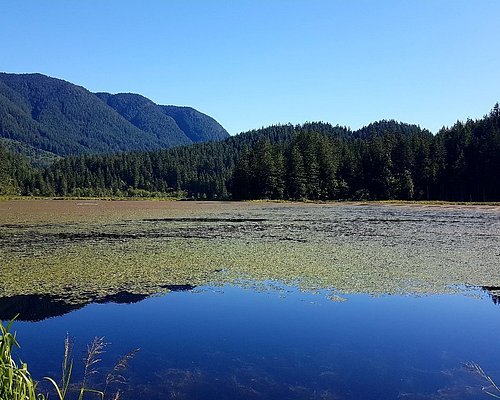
x=35, y=308
x=493, y=292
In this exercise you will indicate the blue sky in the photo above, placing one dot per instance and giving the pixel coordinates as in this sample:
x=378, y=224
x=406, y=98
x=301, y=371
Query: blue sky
x=252, y=63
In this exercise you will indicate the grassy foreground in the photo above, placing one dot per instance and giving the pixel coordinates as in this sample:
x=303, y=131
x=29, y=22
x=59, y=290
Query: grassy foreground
x=16, y=382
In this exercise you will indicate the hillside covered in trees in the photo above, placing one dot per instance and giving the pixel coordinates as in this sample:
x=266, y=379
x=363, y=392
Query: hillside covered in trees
x=317, y=161
x=44, y=117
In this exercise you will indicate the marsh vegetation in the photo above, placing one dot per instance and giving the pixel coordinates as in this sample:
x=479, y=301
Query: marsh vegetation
x=81, y=251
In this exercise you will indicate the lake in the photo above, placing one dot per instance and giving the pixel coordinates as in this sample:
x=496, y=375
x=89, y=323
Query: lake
x=258, y=300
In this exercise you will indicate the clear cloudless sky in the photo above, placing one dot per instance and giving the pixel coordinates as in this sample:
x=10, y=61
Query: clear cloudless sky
x=252, y=63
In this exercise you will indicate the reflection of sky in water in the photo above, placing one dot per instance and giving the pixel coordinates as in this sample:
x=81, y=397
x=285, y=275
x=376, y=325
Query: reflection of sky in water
x=233, y=343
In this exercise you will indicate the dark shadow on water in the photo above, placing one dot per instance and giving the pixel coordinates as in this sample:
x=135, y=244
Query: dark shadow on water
x=34, y=308
x=122, y=298
x=179, y=288
x=234, y=220
x=493, y=292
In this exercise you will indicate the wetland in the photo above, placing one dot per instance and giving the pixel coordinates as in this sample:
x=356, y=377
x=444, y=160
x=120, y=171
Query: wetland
x=259, y=300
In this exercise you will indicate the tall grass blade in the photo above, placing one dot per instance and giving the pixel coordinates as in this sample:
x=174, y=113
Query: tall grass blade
x=115, y=376
x=476, y=368
x=56, y=387
x=16, y=382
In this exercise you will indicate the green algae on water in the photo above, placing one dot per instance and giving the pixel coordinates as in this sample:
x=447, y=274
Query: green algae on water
x=81, y=251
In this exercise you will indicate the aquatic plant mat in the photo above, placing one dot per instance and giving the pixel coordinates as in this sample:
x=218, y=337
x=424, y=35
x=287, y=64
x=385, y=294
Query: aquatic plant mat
x=81, y=251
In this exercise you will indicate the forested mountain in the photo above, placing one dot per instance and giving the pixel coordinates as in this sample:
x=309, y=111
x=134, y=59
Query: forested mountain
x=36, y=157
x=184, y=125
x=196, y=126
x=16, y=175
x=146, y=116
x=44, y=113
x=317, y=161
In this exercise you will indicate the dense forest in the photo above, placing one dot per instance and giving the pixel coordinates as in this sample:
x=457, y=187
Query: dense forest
x=316, y=161
x=45, y=117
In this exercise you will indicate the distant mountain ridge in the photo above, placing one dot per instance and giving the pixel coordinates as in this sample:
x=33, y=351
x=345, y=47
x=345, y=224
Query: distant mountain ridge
x=186, y=124
x=61, y=118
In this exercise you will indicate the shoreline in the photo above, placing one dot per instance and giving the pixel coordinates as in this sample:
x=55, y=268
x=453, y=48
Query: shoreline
x=260, y=201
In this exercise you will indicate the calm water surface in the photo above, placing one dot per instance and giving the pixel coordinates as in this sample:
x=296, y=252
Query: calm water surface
x=241, y=343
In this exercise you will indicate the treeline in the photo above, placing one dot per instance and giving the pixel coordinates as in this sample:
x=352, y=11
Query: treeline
x=317, y=161
x=17, y=176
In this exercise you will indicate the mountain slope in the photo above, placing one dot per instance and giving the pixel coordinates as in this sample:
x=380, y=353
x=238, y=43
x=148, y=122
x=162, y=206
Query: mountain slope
x=37, y=158
x=185, y=125
x=197, y=126
x=62, y=118
x=146, y=116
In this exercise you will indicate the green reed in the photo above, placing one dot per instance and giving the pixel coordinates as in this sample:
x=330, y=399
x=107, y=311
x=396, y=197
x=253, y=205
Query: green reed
x=16, y=382
x=92, y=359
